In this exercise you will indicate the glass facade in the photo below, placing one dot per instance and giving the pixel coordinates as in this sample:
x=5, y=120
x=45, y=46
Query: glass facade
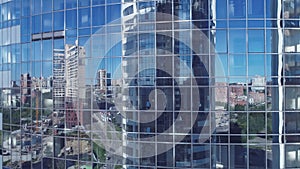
x=142, y=84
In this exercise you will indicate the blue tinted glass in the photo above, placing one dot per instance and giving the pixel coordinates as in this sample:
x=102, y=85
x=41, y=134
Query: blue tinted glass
x=98, y=2
x=182, y=9
x=58, y=44
x=255, y=8
x=256, y=64
x=221, y=11
x=36, y=6
x=58, y=4
x=237, y=41
x=98, y=14
x=47, y=6
x=84, y=2
x=237, y=9
x=16, y=9
x=36, y=24
x=221, y=41
x=47, y=50
x=237, y=65
x=36, y=50
x=71, y=4
x=113, y=13
x=113, y=1
x=47, y=22
x=71, y=32
x=256, y=40
x=25, y=7
x=84, y=17
x=58, y=21
x=85, y=31
x=71, y=23
x=25, y=26
x=25, y=52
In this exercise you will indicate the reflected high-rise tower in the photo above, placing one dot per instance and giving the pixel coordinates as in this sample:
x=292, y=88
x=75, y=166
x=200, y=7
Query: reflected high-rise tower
x=285, y=69
x=166, y=77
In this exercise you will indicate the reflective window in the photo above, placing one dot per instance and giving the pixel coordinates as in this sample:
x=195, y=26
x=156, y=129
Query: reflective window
x=36, y=6
x=84, y=3
x=58, y=21
x=256, y=41
x=71, y=4
x=98, y=14
x=36, y=24
x=71, y=23
x=47, y=22
x=98, y=2
x=25, y=7
x=58, y=4
x=47, y=6
x=113, y=14
x=84, y=17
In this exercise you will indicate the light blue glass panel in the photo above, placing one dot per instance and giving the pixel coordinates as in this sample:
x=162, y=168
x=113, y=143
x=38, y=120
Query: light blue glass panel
x=47, y=49
x=221, y=11
x=256, y=40
x=237, y=65
x=221, y=41
x=84, y=17
x=25, y=7
x=47, y=22
x=256, y=64
x=237, y=41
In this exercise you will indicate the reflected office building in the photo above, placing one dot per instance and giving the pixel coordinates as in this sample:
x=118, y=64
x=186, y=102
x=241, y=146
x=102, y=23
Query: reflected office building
x=141, y=84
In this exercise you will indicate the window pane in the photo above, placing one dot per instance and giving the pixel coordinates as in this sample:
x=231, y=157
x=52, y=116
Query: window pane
x=84, y=17
x=47, y=22
x=221, y=41
x=36, y=24
x=256, y=40
x=58, y=4
x=237, y=41
x=113, y=13
x=25, y=26
x=84, y=2
x=71, y=23
x=98, y=14
x=98, y=2
x=255, y=8
x=25, y=7
x=36, y=6
x=237, y=9
x=237, y=65
x=58, y=21
x=71, y=4
x=47, y=6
